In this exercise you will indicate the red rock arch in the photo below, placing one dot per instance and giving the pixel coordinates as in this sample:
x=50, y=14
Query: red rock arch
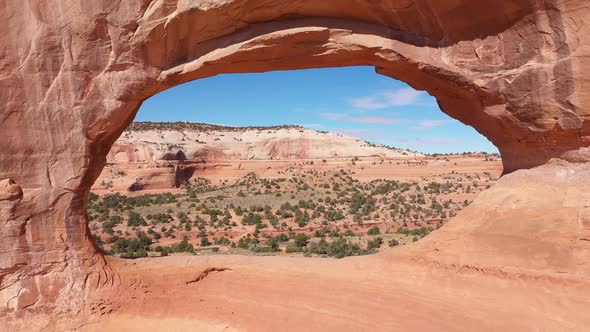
x=74, y=74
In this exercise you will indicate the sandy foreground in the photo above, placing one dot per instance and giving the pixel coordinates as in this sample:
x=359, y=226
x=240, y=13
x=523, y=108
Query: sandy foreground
x=377, y=293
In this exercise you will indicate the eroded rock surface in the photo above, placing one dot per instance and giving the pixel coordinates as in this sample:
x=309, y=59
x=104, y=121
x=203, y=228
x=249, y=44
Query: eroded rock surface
x=167, y=155
x=73, y=74
x=211, y=143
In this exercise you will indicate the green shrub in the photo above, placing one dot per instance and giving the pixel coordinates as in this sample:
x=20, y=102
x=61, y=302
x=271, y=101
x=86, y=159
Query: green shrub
x=291, y=248
x=374, y=243
x=135, y=219
x=301, y=240
x=205, y=242
x=373, y=231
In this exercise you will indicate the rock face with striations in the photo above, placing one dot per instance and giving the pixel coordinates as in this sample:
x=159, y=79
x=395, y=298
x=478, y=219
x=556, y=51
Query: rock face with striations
x=74, y=73
x=210, y=143
x=154, y=155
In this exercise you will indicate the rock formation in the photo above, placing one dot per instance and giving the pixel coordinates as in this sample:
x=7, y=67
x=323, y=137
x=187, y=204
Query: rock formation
x=210, y=143
x=167, y=155
x=151, y=155
x=74, y=73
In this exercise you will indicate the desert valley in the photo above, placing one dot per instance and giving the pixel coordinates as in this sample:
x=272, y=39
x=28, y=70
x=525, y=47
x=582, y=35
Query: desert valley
x=187, y=188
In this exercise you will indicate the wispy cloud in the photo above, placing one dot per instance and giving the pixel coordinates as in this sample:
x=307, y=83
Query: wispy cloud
x=400, y=97
x=438, y=141
x=369, y=103
x=375, y=120
x=428, y=124
x=333, y=116
x=362, y=119
x=423, y=124
x=308, y=110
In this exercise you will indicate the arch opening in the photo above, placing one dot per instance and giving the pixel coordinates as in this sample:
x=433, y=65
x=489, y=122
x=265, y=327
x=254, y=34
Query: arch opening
x=309, y=170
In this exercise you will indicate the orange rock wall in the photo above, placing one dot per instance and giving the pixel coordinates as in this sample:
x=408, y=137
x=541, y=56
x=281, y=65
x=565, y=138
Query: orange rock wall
x=74, y=73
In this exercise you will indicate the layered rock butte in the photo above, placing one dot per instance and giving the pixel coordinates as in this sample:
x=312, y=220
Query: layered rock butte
x=210, y=143
x=74, y=73
x=160, y=156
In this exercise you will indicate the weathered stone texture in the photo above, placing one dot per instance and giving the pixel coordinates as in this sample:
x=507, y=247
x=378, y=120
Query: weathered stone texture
x=73, y=74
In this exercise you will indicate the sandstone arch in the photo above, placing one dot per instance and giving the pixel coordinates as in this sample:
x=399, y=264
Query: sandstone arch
x=74, y=74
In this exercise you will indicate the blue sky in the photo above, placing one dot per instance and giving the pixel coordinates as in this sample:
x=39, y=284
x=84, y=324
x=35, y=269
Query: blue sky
x=354, y=101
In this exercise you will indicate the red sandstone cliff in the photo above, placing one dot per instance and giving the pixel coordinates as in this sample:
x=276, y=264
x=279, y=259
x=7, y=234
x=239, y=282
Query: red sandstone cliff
x=74, y=73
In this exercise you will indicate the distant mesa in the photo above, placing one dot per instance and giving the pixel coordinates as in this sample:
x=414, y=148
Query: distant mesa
x=169, y=154
x=204, y=142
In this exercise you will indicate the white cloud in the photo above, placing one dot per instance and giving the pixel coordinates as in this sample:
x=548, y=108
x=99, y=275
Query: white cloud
x=333, y=116
x=369, y=103
x=436, y=141
x=424, y=124
x=428, y=124
x=375, y=120
x=400, y=97
x=363, y=119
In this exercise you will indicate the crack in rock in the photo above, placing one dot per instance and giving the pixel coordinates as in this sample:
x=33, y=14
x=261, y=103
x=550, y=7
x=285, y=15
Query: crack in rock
x=206, y=273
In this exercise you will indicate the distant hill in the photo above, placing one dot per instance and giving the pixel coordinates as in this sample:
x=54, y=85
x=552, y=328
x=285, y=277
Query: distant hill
x=150, y=141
